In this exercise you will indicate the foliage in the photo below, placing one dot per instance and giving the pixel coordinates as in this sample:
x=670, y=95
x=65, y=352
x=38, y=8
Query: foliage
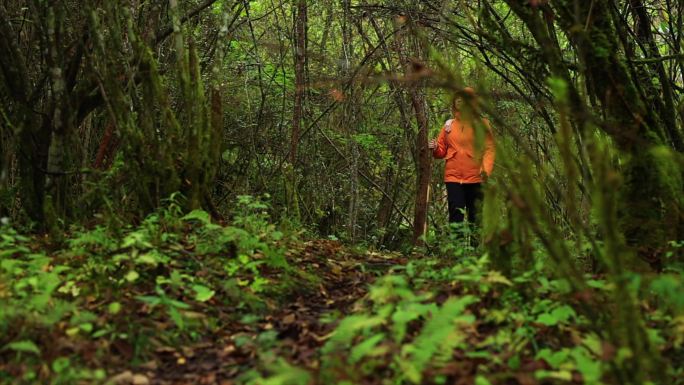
x=172, y=271
x=135, y=136
x=434, y=322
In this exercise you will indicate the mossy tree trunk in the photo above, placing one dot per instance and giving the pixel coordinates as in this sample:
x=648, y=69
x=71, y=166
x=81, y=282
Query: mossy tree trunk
x=59, y=65
x=626, y=103
x=636, y=120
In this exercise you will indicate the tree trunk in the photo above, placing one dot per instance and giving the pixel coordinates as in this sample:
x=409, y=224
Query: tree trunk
x=57, y=152
x=647, y=211
x=300, y=46
x=424, y=167
x=423, y=156
x=32, y=151
x=348, y=120
x=651, y=190
x=300, y=27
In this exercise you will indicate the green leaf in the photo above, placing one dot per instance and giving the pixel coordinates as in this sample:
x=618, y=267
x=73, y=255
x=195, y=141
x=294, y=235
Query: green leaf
x=563, y=375
x=587, y=365
x=597, y=284
x=149, y=299
x=404, y=315
x=439, y=335
x=136, y=239
x=25, y=346
x=564, y=313
x=547, y=319
x=285, y=374
x=203, y=293
x=349, y=328
x=559, y=88
x=150, y=258
x=176, y=317
x=176, y=278
x=86, y=327
x=11, y=266
x=514, y=362
x=554, y=359
x=559, y=315
x=198, y=215
x=132, y=276
x=177, y=304
x=60, y=364
x=114, y=308
x=497, y=277
x=365, y=348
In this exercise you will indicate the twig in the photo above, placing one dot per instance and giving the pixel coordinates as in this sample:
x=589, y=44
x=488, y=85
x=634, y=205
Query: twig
x=164, y=33
x=657, y=59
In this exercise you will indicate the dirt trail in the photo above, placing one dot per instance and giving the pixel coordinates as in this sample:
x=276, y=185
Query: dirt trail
x=293, y=330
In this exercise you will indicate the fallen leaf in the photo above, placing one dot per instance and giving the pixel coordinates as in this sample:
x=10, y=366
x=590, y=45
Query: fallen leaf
x=150, y=365
x=122, y=378
x=139, y=379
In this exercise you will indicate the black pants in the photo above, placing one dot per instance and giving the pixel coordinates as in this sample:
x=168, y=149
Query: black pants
x=463, y=196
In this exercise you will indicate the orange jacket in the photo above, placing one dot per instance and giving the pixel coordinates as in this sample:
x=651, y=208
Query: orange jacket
x=456, y=144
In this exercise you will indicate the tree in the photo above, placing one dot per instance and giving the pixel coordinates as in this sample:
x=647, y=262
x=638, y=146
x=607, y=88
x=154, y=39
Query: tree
x=51, y=91
x=638, y=118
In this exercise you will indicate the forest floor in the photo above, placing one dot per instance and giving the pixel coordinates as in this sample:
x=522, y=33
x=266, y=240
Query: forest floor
x=179, y=299
x=297, y=323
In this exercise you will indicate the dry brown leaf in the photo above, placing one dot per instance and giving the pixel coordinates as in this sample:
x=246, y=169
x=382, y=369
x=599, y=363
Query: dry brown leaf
x=289, y=319
x=139, y=379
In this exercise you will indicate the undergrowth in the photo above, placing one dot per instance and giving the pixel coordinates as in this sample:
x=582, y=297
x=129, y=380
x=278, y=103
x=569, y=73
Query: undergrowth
x=109, y=295
x=105, y=299
x=455, y=320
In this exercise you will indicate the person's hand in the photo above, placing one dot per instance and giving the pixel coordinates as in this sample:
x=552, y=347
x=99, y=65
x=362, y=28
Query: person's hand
x=432, y=144
x=484, y=176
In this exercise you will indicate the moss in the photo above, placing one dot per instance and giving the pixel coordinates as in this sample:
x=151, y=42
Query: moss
x=671, y=176
x=651, y=201
x=52, y=221
x=668, y=167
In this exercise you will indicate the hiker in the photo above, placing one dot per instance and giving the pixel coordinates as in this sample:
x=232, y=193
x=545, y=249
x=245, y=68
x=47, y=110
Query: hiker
x=467, y=167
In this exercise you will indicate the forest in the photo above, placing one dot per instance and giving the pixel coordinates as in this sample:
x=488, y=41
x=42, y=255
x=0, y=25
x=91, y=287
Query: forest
x=342, y=192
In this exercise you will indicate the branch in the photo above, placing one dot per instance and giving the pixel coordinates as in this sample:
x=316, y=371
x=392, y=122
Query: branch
x=650, y=60
x=12, y=62
x=164, y=33
x=92, y=98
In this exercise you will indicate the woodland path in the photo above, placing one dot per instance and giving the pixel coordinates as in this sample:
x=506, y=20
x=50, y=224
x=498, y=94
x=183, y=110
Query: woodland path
x=295, y=326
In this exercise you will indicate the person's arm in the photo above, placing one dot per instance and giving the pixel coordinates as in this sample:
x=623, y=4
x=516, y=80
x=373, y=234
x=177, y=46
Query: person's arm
x=440, y=149
x=489, y=150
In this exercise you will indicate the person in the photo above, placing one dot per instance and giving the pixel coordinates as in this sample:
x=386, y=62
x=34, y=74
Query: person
x=467, y=166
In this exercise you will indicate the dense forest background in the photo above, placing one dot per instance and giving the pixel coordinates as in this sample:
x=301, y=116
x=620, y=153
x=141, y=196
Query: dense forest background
x=187, y=151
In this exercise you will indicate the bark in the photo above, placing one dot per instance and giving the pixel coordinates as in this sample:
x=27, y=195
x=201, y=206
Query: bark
x=300, y=47
x=630, y=118
x=214, y=146
x=61, y=127
x=647, y=209
x=33, y=144
x=54, y=88
x=423, y=156
x=391, y=180
x=104, y=150
x=424, y=167
x=32, y=132
x=665, y=104
x=300, y=73
x=348, y=119
x=385, y=206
